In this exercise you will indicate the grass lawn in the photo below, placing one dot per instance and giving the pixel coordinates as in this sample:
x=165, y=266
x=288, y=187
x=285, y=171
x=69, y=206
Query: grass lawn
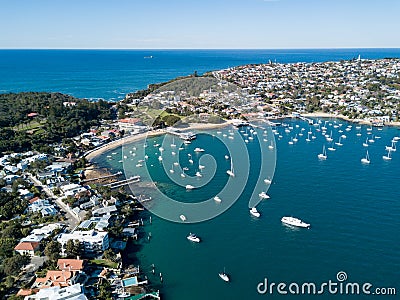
x=33, y=125
x=104, y=263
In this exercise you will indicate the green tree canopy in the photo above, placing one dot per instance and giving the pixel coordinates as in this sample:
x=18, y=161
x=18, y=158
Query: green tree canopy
x=53, y=250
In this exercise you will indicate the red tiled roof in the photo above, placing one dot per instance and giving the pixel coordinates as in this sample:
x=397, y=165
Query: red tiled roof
x=33, y=200
x=70, y=264
x=129, y=120
x=27, y=246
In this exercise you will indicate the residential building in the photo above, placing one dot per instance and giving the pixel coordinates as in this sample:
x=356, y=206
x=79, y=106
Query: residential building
x=91, y=240
x=28, y=248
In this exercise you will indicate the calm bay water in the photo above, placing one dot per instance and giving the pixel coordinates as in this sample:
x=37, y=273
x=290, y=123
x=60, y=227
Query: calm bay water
x=353, y=210
x=110, y=74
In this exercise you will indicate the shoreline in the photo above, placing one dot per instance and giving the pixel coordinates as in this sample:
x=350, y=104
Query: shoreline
x=342, y=117
x=94, y=153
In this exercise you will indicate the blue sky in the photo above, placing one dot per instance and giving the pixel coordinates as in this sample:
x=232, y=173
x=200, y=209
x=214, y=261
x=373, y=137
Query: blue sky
x=200, y=24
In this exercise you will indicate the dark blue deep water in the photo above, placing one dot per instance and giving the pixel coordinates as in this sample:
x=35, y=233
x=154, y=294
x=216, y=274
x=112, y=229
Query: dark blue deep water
x=110, y=74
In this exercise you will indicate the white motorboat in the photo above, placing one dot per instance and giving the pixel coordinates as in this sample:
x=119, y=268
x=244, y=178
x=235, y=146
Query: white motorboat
x=267, y=181
x=230, y=173
x=217, y=199
x=254, y=212
x=263, y=195
x=295, y=222
x=189, y=187
x=182, y=217
x=198, y=150
x=193, y=238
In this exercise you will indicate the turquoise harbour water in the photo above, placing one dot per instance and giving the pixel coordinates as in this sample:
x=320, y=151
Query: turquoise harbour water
x=353, y=210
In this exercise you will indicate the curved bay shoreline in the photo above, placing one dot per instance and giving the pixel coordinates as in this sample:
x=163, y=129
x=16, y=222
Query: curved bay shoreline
x=92, y=154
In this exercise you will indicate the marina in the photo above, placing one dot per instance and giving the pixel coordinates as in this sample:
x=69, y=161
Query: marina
x=345, y=160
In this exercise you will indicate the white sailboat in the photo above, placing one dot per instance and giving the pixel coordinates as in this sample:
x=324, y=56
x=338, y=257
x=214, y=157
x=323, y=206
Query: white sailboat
x=308, y=137
x=387, y=157
x=330, y=139
x=392, y=147
x=224, y=276
x=339, y=143
x=173, y=145
x=230, y=172
x=322, y=155
x=365, y=144
x=331, y=148
x=366, y=160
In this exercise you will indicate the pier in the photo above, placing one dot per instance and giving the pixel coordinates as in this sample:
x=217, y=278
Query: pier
x=120, y=183
x=187, y=136
x=102, y=177
x=310, y=121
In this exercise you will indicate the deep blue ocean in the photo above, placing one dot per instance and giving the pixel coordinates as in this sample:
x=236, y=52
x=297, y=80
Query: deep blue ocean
x=110, y=74
x=353, y=208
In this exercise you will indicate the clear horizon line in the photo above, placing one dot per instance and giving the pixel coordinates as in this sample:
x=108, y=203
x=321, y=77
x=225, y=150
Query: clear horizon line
x=287, y=48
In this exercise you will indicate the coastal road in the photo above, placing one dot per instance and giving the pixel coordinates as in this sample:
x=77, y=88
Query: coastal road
x=72, y=219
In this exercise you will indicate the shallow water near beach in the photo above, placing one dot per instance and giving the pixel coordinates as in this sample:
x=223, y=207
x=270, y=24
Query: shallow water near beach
x=353, y=210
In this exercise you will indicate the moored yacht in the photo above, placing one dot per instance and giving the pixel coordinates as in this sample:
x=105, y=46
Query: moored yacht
x=224, y=276
x=322, y=155
x=254, y=212
x=193, y=238
x=366, y=160
x=217, y=199
x=295, y=222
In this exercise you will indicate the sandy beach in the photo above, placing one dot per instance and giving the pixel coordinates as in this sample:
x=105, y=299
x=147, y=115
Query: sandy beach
x=90, y=155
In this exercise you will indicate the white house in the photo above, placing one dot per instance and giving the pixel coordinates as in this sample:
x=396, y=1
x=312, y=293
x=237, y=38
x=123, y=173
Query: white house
x=73, y=292
x=92, y=241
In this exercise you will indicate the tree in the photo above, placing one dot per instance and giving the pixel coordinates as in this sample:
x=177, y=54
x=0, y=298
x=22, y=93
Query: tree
x=104, y=291
x=12, y=265
x=109, y=254
x=7, y=246
x=73, y=248
x=53, y=250
x=170, y=120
